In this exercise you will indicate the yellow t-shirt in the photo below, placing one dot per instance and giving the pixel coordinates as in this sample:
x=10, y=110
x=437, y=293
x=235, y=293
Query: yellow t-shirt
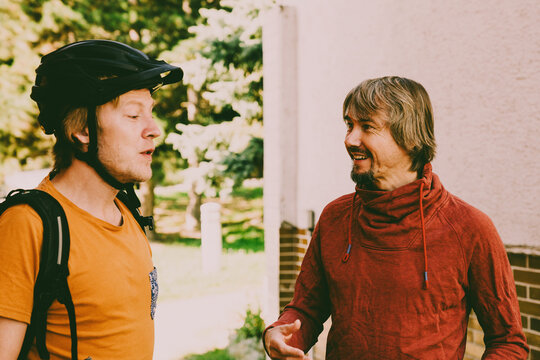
x=111, y=282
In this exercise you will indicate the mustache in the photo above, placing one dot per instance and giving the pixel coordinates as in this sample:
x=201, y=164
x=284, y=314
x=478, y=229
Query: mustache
x=356, y=149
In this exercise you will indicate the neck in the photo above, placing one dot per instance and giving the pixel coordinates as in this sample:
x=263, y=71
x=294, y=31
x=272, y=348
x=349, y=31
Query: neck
x=393, y=182
x=85, y=188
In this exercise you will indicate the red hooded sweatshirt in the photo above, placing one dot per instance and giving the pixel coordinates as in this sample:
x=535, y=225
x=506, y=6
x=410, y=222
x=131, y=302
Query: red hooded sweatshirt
x=419, y=259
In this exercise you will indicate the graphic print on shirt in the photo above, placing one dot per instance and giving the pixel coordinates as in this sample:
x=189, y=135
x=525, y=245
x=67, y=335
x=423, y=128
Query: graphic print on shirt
x=154, y=289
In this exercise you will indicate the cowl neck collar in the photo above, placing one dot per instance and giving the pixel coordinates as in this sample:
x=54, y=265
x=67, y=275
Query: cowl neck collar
x=391, y=220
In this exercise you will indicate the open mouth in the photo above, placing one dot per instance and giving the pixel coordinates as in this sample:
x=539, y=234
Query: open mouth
x=359, y=157
x=356, y=153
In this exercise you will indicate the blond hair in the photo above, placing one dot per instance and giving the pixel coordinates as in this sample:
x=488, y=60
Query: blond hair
x=409, y=111
x=64, y=148
x=76, y=120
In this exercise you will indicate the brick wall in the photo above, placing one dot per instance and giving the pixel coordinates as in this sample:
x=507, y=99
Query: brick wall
x=293, y=244
x=527, y=276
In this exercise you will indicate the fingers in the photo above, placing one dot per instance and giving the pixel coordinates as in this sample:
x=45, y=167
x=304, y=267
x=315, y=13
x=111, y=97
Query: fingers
x=286, y=352
x=276, y=341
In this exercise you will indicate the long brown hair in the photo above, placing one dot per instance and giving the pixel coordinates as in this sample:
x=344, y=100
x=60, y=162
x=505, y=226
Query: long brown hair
x=408, y=108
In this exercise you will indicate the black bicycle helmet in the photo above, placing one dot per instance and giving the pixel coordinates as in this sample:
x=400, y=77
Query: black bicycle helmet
x=90, y=73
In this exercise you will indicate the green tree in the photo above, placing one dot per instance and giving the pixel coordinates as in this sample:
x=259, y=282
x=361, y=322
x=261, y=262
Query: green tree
x=223, y=64
x=33, y=28
x=217, y=43
x=147, y=25
x=20, y=138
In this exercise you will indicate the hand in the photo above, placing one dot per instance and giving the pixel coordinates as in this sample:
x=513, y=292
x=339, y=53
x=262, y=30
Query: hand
x=276, y=340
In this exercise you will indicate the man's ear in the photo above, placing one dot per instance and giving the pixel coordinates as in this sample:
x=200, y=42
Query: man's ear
x=81, y=139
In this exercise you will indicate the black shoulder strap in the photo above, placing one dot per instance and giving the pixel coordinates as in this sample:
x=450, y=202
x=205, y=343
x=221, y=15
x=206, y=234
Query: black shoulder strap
x=51, y=281
x=130, y=199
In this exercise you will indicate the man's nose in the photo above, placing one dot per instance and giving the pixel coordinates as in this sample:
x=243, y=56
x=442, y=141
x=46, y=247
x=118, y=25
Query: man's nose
x=152, y=129
x=354, y=137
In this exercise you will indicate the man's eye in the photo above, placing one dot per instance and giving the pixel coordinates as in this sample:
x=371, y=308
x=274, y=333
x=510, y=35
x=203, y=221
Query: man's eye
x=366, y=127
x=133, y=116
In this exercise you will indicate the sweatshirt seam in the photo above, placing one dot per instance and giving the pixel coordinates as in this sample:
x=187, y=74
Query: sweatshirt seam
x=458, y=237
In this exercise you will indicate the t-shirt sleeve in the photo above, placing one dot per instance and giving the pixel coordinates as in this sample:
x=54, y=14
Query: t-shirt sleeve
x=21, y=237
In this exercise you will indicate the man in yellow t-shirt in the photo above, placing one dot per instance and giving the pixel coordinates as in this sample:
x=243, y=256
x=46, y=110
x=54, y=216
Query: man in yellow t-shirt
x=95, y=97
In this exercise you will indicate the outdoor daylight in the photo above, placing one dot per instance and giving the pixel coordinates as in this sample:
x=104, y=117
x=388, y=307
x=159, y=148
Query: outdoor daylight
x=210, y=151
x=269, y=179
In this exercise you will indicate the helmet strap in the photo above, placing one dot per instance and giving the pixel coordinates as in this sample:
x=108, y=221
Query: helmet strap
x=91, y=157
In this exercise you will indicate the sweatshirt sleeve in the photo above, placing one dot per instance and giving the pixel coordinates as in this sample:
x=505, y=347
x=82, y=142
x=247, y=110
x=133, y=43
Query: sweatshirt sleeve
x=311, y=303
x=493, y=297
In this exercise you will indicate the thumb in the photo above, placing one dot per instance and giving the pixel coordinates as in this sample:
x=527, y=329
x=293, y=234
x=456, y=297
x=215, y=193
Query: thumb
x=292, y=327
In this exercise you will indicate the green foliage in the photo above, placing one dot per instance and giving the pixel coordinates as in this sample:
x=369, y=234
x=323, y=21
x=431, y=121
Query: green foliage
x=253, y=326
x=32, y=28
x=19, y=133
x=217, y=43
x=217, y=354
x=246, y=164
x=248, y=193
x=246, y=342
x=223, y=66
x=207, y=148
x=242, y=226
x=240, y=236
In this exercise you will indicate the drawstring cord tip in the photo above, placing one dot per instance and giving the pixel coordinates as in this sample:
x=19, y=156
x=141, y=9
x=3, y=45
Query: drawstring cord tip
x=426, y=286
x=347, y=254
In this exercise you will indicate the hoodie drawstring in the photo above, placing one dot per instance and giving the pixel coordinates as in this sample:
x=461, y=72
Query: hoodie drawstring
x=347, y=254
x=423, y=236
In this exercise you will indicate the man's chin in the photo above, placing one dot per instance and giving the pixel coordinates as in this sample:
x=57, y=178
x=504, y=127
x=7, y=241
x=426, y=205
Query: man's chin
x=134, y=177
x=142, y=178
x=363, y=179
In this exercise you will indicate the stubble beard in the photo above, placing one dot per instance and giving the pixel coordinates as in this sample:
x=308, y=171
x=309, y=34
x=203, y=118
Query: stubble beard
x=364, y=179
x=124, y=174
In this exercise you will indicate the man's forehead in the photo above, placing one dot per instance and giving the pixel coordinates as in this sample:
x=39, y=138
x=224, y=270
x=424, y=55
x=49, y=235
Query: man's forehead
x=140, y=97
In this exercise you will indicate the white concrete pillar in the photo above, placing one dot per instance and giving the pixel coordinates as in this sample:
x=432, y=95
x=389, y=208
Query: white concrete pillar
x=211, y=237
x=280, y=139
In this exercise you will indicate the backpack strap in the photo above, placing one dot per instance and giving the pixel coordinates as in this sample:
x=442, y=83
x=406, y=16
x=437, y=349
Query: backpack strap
x=130, y=199
x=51, y=281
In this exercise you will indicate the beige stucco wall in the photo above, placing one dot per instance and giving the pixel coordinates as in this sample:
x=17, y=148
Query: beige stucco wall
x=480, y=63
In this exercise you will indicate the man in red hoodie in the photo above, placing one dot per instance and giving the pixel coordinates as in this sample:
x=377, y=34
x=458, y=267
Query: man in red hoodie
x=399, y=263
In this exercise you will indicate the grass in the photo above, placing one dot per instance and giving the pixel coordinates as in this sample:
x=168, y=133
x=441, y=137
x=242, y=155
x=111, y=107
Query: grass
x=241, y=218
x=178, y=258
x=180, y=271
x=248, y=193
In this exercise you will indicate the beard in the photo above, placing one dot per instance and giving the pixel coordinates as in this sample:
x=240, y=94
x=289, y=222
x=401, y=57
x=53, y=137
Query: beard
x=364, y=180
x=121, y=170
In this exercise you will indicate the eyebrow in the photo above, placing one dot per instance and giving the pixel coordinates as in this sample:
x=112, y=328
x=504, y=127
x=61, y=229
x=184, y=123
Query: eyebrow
x=361, y=120
x=139, y=102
